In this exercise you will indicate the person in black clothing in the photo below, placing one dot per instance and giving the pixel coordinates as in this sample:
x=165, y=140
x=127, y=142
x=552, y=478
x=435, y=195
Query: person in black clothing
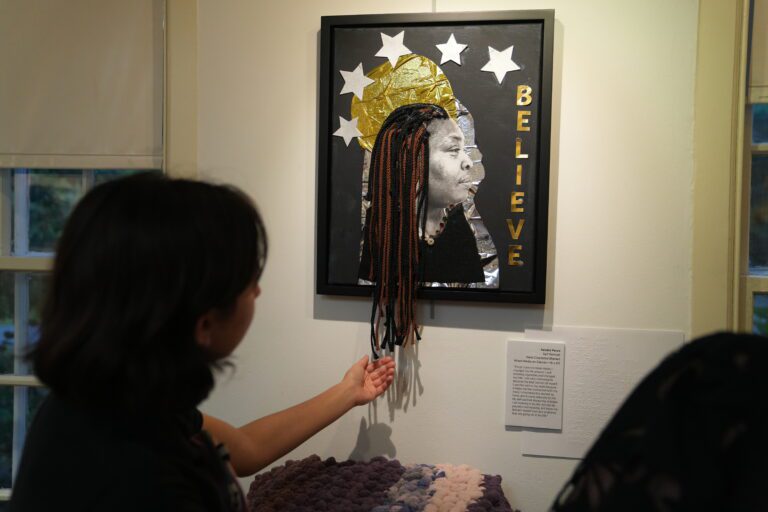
x=690, y=437
x=153, y=286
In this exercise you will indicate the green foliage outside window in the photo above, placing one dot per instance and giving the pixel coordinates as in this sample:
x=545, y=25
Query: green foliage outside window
x=52, y=195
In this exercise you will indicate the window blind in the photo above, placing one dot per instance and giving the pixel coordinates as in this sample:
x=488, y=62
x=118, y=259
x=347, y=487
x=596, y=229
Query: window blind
x=81, y=83
x=758, y=73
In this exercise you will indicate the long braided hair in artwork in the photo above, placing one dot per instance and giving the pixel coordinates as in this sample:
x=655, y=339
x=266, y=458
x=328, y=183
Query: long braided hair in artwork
x=398, y=188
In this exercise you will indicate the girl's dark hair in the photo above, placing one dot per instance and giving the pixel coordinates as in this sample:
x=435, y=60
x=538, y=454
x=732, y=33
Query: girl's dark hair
x=398, y=187
x=140, y=259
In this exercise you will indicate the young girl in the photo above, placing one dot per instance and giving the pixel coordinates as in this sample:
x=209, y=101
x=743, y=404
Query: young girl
x=153, y=286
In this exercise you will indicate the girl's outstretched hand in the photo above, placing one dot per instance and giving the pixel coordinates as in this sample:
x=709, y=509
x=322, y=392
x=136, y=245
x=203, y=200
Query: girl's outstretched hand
x=367, y=381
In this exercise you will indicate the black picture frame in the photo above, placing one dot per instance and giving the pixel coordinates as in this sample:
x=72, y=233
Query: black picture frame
x=347, y=40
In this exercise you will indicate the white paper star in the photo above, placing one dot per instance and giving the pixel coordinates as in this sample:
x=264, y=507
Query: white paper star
x=348, y=130
x=500, y=63
x=451, y=50
x=392, y=47
x=355, y=81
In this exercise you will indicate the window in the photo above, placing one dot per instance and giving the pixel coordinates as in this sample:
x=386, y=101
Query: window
x=754, y=282
x=34, y=204
x=88, y=116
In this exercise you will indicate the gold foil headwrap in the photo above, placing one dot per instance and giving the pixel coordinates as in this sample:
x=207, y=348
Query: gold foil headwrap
x=415, y=79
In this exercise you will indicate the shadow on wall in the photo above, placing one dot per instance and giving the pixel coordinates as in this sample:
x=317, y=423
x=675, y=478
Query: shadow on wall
x=373, y=441
x=407, y=386
x=374, y=438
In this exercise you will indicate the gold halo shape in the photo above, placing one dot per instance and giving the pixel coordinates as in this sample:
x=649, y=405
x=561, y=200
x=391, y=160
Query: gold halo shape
x=415, y=79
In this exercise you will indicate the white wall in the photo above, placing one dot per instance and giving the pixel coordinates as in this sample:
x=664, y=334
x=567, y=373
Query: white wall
x=619, y=230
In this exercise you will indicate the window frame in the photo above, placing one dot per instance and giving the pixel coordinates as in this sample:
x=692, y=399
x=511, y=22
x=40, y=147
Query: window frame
x=720, y=80
x=749, y=284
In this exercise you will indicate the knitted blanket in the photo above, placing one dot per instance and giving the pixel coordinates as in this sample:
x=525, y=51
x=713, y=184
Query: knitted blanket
x=379, y=485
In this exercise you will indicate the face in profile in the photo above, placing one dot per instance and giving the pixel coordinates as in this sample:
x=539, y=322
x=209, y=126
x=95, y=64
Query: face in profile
x=450, y=168
x=455, y=246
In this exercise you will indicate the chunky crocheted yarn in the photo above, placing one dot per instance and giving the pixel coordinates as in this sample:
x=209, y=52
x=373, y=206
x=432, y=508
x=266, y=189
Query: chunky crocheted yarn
x=379, y=485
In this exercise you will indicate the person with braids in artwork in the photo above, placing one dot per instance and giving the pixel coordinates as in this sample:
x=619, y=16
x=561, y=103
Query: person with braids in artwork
x=153, y=287
x=415, y=228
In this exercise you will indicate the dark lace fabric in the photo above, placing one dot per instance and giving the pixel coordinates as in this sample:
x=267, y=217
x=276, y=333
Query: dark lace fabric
x=692, y=436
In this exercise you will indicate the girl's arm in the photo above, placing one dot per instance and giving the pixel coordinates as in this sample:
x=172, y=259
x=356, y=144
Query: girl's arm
x=263, y=441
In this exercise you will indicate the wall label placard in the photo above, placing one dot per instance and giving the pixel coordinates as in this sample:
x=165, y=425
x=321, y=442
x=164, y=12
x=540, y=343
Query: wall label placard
x=535, y=384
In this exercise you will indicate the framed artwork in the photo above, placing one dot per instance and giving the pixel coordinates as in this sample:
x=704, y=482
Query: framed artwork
x=478, y=211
